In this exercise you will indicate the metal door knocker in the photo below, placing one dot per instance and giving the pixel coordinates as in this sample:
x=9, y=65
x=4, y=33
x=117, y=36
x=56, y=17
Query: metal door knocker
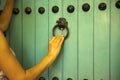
x=61, y=25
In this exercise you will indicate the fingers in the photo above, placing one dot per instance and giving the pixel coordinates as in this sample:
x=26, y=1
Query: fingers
x=57, y=39
x=61, y=40
x=56, y=43
x=52, y=40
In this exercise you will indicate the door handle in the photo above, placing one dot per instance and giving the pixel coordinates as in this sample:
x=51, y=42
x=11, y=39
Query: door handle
x=61, y=24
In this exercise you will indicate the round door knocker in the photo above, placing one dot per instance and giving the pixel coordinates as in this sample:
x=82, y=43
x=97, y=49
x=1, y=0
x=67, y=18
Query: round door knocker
x=61, y=25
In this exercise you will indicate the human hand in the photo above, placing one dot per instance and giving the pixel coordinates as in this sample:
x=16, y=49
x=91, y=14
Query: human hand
x=55, y=45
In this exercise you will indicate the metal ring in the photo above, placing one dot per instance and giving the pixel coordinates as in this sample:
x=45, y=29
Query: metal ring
x=57, y=26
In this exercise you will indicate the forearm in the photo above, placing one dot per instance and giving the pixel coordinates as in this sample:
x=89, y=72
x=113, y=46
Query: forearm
x=37, y=70
x=53, y=51
x=16, y=72
x=6, y=15
x=13, y=69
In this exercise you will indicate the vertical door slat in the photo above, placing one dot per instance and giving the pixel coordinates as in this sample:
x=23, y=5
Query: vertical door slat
x=85, y=32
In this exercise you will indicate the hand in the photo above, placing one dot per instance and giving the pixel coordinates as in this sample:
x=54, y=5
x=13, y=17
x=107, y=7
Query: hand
x=55, y=45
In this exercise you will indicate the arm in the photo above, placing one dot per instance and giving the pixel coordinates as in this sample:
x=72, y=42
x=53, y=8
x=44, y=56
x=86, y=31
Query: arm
x=6, y=15
x=54, y=49
x=13, y=69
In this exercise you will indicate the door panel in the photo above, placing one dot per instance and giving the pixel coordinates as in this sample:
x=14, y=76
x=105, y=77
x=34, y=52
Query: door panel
x=101, y=40
x=29, y=34
x=41, y=32
x=70, y=57
x=91, y=51
x=16, y=27
x=55, y=70
x=85, y=38
x=115, y=42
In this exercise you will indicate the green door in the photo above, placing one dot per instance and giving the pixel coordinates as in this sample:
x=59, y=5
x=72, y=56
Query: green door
x=92, y=49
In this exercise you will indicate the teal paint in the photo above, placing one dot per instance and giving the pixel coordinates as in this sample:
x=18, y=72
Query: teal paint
x=90, y=52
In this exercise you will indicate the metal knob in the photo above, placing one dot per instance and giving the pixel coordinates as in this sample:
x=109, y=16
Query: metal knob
x=62, y=23
x=86, y=7
x=55, y=9
x=28, y=10
x=102, y=6
x=16, y=11
x=117, y=4
x=70, y=8
x=41, y=78
x=41, y=10
x=69, y=79
x=55, y=78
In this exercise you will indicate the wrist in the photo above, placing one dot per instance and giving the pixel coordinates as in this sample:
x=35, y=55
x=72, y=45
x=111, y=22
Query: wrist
x=51, y=55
